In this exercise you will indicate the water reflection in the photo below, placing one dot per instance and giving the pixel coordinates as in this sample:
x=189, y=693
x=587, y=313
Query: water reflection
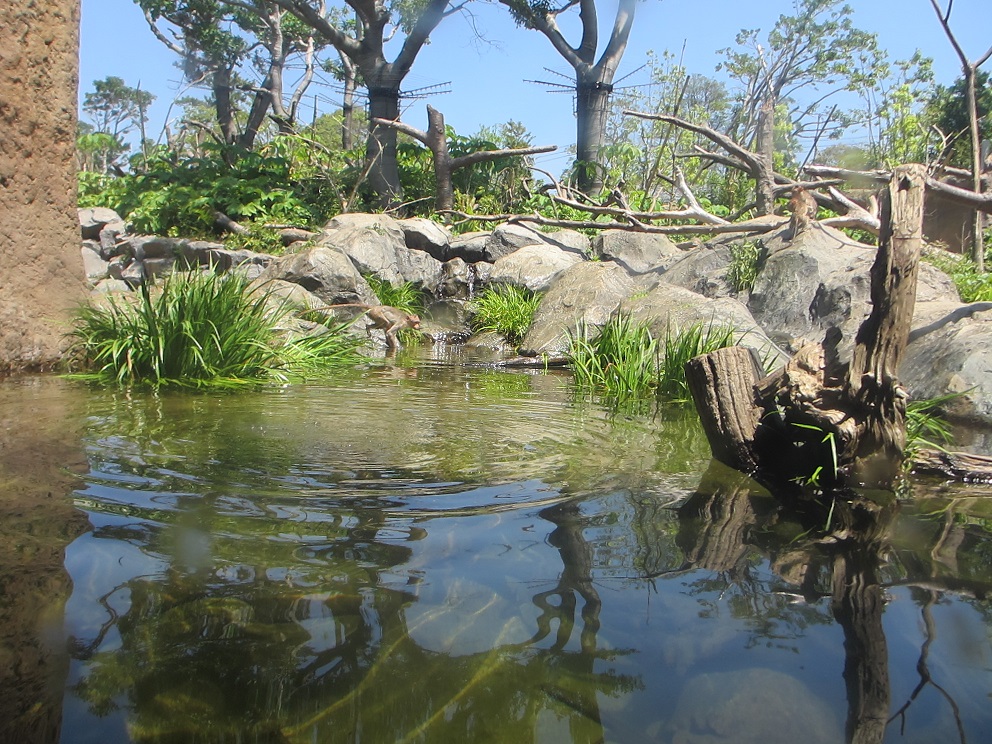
x=468, y=556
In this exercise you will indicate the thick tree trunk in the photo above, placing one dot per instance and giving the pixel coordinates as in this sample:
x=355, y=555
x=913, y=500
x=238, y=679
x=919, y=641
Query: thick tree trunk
x=591, y=107
x=41, y=273
x=384, y=174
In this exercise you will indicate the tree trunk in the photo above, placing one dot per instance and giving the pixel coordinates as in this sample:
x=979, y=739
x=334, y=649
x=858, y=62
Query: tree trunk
x=978, y=243
x=221, y=84
x=815, y=419
x=384, y=174
x=765, y=151
x=591, y=107
x=348, y=103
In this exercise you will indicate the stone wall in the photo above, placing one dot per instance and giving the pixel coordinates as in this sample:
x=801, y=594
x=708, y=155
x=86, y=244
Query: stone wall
x=40, y=265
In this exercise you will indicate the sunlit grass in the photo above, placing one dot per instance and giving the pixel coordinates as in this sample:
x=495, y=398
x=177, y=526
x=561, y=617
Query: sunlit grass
x=200, y=329
x=624, y=360
x=505, y=309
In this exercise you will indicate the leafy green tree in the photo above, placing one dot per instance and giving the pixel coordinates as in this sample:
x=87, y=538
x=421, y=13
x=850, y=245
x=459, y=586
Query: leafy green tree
x=220, y=41
x=116, y=110
x=645, y=152
x=363, y=42
x=593, y=77
x=949, y=109
x=805, y=59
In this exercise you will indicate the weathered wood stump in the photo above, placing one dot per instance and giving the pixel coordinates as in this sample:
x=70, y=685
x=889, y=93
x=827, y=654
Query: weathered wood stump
x=817, y=418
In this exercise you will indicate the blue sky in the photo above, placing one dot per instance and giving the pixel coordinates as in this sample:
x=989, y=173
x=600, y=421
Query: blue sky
x=488, y=78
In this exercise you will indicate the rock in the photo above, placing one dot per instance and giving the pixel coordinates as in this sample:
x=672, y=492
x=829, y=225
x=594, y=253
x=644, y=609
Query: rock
x=202, y=253
x=470, y=247
x=457, y=280
x=95, y=268
x=113, y=240
x=950, y=351
x=586, y=293
x=376, y=244
x=532, y=267
x=111, y=286
x=639, y=253
x=668, y=307
x=156, y=246
x=756, y=706
x=93, y=219
x=326, y=272
x=506, y=239
x=702, y=270
x=825, y=280
x=426, y=235
x=569, y=240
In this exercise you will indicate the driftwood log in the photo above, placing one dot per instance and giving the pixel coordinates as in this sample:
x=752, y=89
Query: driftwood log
x=818, y=420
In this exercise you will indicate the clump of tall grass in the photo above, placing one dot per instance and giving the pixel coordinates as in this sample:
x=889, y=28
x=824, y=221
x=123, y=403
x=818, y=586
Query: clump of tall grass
x=504, y=309
x=406, y=296
x=625, y=360
x=925, y=426
x=200, y=329
x=745, y=258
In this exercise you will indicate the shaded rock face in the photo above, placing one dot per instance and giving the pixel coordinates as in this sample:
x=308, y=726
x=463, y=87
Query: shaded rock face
x=950, y=351
x=703, y=270
x=376, y=244
x=41, y=274
x=587, y=293
x=821, y=281
x=668, y=308
x=327, y=273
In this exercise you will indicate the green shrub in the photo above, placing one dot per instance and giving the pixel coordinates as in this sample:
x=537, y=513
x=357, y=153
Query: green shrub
x=505, y=309
x=972, y=285
x=199, y=329
x=624, y=360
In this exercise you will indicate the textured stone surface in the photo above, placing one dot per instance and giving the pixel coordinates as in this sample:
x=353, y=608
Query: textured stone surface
x=41, y=272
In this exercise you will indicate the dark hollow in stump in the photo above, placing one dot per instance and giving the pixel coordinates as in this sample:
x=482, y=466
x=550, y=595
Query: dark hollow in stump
x=837, y=424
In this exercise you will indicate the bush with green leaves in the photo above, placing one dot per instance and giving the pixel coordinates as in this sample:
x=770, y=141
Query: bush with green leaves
x=200, y=329
x=972, y=285
x=624, y=360
x=504, y=309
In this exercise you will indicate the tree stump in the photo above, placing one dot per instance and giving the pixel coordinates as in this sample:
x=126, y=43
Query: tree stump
x=817, y=418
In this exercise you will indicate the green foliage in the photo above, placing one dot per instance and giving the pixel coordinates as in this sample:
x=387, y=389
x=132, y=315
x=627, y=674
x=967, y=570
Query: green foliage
x=625, y=361
x=406, y=296
x=745, y=260
x=972, y=285
x=173, y=196
x=505, y=309
x=259, y=239
x=201, y=329
x=949, y=110
x=925, y=427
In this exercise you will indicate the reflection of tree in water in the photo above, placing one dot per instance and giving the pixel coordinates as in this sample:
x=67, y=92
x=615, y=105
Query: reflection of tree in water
x=730, y=523
x=267, y=637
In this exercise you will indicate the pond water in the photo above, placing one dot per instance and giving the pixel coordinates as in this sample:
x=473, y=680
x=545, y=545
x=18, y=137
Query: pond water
x=442, y=552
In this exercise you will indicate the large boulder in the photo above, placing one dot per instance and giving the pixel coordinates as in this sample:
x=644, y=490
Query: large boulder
x=668, y=308
x=376, y=244
x=702, y=270
x=823, y=281
x=94, y=219
x=532, y=267
x=639, y=253
x=470, y=247
x=422, y=234
x=507, y=239
x=950, y=351
x=327, y=273
x=585, y=294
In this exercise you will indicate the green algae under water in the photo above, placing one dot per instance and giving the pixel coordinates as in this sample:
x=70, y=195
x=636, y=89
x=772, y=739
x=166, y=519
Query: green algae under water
x=446, y=553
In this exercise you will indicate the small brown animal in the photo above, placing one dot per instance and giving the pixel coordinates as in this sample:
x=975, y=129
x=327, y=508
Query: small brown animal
x=386, y=318
x=803, y=207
